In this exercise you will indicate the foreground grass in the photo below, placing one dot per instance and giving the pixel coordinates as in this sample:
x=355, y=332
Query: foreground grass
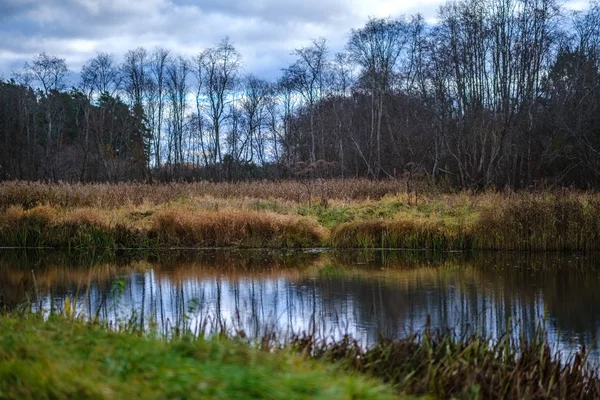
x=442, y=366
x=66, y=358
x=70, y=359
x=265, y=215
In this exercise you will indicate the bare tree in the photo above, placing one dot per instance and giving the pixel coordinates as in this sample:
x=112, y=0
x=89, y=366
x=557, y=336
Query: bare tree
x=308, y=77
x=101, y=75
x=377, y=48
x=135, y=75
x=220, y=66
x=156, y=105
x=50, y=73
x=253, y=104
x=177, y=74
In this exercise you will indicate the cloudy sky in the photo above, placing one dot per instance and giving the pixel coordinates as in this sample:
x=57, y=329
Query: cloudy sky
x=264, y=31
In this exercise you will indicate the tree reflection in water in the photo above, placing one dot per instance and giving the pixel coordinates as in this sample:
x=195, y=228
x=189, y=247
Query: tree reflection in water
x=330, y=294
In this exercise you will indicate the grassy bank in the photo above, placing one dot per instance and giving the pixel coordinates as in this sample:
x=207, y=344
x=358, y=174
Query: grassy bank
x=70, y=359
x=294, y=215
x=66, y=358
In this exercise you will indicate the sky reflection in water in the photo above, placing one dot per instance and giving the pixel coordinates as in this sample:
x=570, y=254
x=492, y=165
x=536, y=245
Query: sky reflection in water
x=361, y=293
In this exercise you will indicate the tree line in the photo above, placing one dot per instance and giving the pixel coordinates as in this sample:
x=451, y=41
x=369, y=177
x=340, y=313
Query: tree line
x=494, y=93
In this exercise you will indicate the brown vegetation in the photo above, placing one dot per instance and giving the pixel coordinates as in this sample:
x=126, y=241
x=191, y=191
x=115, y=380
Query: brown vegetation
x=334, y=213
x=408, y=234
x=238, y=229
x=45, y=226
x=30, y=194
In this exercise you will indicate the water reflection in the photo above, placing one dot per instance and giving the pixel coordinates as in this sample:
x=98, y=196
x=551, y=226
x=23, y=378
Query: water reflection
x=332, y=293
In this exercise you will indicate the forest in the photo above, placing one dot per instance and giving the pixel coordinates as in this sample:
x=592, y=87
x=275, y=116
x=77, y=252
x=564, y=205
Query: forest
x=490, y=94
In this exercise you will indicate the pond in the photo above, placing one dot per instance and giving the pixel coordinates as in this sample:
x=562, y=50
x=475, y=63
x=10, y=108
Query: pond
x=328, y=293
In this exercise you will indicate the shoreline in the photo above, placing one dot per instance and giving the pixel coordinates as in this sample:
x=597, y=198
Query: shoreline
x=64, y=356
x=110, y=217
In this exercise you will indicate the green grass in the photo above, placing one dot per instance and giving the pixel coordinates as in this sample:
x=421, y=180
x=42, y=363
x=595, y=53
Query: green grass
x=68, y=358
x=337, y=213
x=61, y=359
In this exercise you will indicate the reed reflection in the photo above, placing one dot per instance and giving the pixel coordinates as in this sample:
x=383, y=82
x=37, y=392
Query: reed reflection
x=330, y=294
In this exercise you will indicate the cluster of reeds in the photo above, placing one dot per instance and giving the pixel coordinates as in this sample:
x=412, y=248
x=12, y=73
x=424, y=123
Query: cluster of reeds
x=30, y=194
x=403, y=234
x=542, y=221
x=532, y=222
x=441, y=365
x=45, y=226
x=179, y=227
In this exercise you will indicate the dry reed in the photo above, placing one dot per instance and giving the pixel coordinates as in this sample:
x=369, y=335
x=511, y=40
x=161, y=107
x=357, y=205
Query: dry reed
x=44, y=226
x=235, y=229
x=265, y=214
x=404, y=234
x=30, y=194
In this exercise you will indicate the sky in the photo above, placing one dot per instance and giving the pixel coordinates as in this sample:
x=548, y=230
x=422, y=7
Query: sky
x=265, y=32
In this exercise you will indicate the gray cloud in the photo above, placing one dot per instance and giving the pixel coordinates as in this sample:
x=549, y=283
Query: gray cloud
x=12, y=8
x=265, y=32
x=274, y=10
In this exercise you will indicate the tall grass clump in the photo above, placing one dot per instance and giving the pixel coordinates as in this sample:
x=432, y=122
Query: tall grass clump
x=26, y=228
x=45, y=226
x=540, y=222
x=549, y=221
x=441, y=365
x=407, y=234
x=180, y=227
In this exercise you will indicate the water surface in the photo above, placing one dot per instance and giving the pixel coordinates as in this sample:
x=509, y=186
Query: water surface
x=332, y=293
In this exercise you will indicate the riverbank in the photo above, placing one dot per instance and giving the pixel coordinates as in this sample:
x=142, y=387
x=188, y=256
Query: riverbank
x=66, y=357
x=293, y=215
x=63, y=358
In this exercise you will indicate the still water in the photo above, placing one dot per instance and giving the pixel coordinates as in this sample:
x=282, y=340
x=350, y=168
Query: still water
x=330, y=294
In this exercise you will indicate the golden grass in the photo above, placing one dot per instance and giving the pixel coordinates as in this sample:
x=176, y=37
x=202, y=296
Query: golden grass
x=263, y=214
x=541, y=221
x=235, y=228
x=30, y=194
x=174, y=226
x=409, y=234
